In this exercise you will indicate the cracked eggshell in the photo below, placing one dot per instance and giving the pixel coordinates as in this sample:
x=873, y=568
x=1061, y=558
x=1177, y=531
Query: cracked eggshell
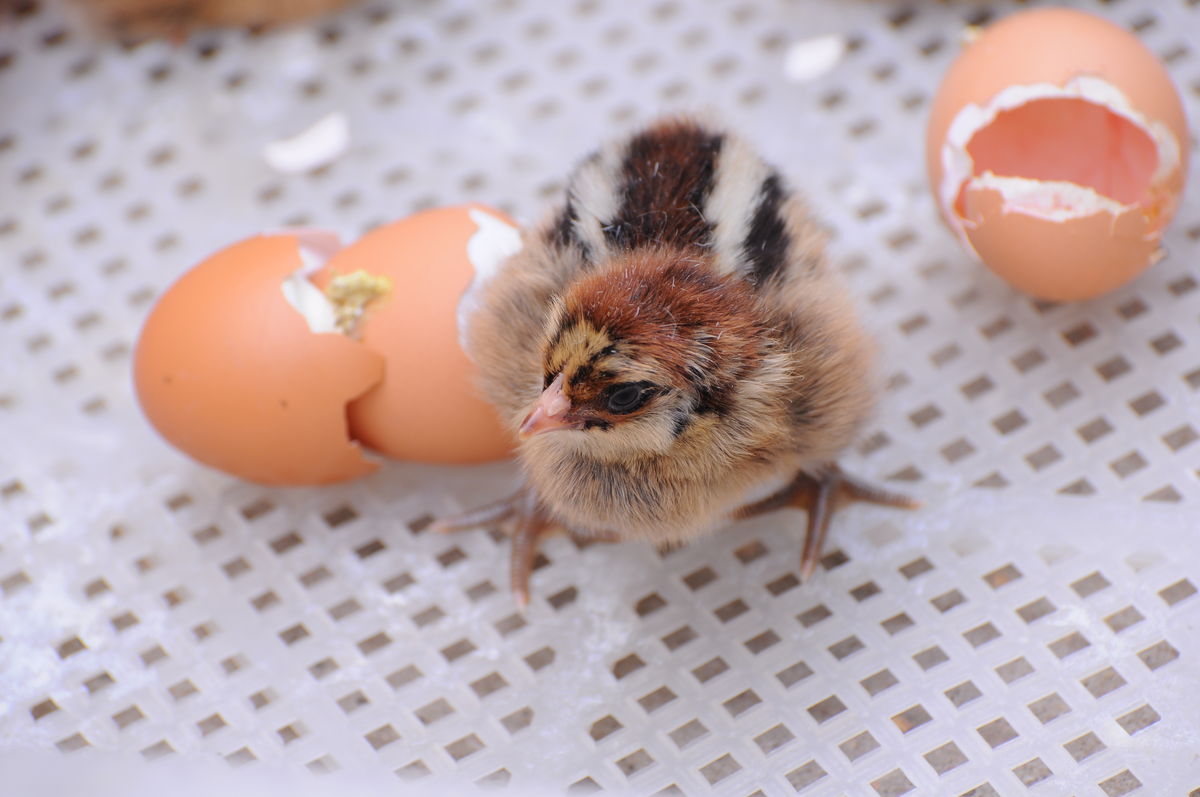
x=427, y=407
x=231, y=374
x=1057, y=150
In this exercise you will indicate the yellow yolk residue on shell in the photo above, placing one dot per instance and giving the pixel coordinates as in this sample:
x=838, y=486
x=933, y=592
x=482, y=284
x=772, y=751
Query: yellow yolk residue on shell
x=350, y=294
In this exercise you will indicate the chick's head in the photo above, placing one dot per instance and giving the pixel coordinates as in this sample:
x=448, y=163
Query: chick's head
x=638, y=351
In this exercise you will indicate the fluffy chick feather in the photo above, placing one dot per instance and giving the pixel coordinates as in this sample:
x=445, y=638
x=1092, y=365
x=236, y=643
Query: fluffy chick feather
x=675, y=339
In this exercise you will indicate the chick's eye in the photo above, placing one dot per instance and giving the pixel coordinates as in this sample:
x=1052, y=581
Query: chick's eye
x=626, y=398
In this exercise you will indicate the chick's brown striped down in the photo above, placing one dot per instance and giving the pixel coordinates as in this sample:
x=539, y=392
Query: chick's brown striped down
x=674, y=351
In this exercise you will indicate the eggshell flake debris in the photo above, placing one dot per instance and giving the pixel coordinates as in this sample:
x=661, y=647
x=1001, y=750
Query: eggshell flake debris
x=319, y=144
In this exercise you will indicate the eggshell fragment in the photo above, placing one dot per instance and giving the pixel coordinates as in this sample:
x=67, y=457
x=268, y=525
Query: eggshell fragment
x=426, y=408
x=230, y=373
x=316, y=146
x=1056, y=148
x=1105, y=249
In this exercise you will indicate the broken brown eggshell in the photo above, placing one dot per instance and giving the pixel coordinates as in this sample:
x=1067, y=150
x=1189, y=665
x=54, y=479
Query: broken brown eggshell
x=426, y=407
x=1057, y=152
x=274, y=359
x=230, y=373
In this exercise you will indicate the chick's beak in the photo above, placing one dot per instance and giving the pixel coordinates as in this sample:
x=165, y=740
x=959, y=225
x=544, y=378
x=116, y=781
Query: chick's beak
x=549, y=413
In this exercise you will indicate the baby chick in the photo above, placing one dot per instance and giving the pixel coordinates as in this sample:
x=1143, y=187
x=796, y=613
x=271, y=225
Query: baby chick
x=673, y=351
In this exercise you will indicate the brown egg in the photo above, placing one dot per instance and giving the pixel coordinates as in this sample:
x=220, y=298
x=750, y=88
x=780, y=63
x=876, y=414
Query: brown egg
x=426, y=408
x=228, y=370
x=1057, y=151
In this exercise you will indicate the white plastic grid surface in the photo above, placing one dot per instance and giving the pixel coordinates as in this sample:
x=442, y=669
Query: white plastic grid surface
x=1032, y=628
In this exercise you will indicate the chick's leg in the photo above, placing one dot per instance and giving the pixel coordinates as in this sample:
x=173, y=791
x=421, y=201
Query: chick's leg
x=820, y=496
x=526, y=522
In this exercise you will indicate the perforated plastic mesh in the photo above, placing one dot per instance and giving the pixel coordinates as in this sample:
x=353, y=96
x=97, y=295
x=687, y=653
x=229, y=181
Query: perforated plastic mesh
x=1032, y=627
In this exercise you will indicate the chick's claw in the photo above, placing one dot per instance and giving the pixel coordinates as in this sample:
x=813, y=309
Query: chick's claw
x=820, y=496
x=484, y=516
x=522, y=516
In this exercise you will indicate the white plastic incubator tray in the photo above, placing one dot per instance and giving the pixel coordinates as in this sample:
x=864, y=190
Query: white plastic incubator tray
x=1032, y=629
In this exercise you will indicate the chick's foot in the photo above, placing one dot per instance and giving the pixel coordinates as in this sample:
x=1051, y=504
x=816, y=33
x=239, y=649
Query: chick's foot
x=524, y=519
x=820, y=496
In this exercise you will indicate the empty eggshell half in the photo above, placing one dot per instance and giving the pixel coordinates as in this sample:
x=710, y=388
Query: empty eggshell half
x=234, y=368
x=427, y=407
x=1057, y=151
